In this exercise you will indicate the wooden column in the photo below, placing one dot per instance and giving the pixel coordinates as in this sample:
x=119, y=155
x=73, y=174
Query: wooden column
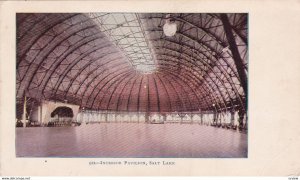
x=232, y=117
x=40, y=114
x=24, y=112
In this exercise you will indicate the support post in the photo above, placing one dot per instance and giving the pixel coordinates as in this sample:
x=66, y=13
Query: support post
x=246, y=121
x=40, y=114
x=106, y=116
x=201, y=117
x=147, y=117
x=241, y=119
x=232, y=117
x=24, y=112
x=214, y=118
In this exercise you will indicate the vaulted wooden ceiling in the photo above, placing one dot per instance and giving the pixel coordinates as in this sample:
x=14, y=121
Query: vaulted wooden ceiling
x=100, y=61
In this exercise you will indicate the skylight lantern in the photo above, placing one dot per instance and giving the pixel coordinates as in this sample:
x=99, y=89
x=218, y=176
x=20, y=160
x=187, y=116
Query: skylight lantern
x=170, y=27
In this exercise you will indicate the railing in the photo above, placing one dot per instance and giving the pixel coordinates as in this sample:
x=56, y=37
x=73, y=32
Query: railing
x=61, y=121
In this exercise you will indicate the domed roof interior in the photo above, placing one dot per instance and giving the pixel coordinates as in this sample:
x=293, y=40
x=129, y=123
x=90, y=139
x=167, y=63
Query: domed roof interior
x=125, y=62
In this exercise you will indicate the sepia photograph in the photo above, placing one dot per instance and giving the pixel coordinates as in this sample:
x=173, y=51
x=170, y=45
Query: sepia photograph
x=100, y=89
x=132, y=85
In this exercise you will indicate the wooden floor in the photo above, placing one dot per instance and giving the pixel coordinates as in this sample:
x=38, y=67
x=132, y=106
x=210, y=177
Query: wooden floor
x=131, y=140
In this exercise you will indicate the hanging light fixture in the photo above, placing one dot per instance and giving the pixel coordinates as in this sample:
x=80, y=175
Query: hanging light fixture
x=170, y=27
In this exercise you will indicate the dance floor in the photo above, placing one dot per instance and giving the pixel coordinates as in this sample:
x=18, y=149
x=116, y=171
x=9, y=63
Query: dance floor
x=131, y=140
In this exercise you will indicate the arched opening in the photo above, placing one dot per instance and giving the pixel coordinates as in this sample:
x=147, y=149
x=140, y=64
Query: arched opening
x=63, y=112
x=61, y=116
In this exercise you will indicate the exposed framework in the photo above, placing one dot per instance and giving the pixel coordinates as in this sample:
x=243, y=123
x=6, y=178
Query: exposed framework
x=70, y=57
x=126, y=31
